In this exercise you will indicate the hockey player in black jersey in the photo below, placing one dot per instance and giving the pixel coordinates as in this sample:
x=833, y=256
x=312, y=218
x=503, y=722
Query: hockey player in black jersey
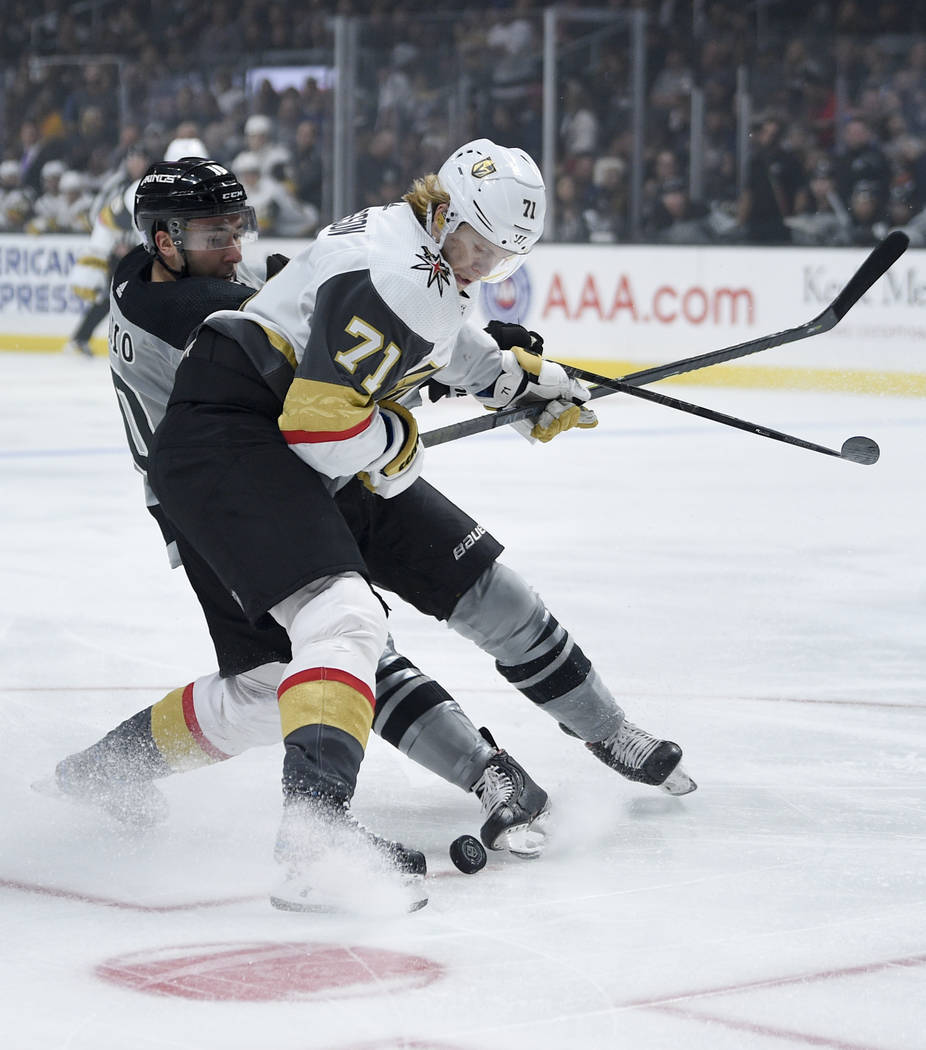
x=295, y=409
x=194, y=216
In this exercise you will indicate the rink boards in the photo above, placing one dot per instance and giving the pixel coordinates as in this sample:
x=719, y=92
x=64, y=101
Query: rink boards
x=611, y=308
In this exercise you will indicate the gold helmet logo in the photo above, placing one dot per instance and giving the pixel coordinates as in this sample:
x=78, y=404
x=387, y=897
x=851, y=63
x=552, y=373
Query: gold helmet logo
x=483, y=167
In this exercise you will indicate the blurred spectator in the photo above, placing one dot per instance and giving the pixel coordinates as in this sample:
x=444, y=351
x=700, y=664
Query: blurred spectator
x=279, y=214
x=670, y=97
x=99, y=90
x=676, y=219
x=36, y=151
x=571, y=226
x=289, y=117
x=76, y=203
x=229, y=94
x=606, y=218
x=862, y=160
x=261, y=146
x=673, y=83
x=901, y=207
x=395, y=100
x=16, y=200
x=513, y=54
x=49, y=204
x=773, y=191
x=824, y=218
x=93, y=142
x=868, y=211
x=379, y=176
x=306, y=173
x=579, y=124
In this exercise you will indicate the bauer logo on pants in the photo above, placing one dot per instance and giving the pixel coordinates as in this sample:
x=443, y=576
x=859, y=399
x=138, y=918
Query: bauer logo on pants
x=469, y=541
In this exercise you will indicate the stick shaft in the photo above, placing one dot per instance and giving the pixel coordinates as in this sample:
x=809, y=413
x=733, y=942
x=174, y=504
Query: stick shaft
x=878, y=262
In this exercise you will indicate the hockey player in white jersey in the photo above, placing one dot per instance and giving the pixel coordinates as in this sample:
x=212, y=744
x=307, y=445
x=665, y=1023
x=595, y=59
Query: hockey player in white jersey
x=194, y=218
x=293, y=410
x=112, y=236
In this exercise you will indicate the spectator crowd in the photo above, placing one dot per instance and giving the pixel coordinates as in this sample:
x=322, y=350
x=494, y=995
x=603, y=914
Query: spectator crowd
x=835, y=152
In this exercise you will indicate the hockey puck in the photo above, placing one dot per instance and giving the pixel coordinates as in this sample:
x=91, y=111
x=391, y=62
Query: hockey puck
x=467, y=854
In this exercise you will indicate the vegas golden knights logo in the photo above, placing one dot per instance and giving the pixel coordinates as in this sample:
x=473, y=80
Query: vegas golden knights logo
x=483, y=167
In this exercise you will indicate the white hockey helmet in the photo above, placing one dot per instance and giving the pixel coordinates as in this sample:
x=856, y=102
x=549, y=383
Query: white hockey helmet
x=498, y=191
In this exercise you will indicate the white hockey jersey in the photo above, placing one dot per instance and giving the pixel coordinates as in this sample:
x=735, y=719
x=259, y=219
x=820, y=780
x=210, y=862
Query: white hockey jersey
x=368, y=313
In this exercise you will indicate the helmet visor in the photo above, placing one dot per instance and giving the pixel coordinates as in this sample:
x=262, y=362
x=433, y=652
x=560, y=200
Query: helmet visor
x=475, y=258
x=216, y=233
x=504, y=269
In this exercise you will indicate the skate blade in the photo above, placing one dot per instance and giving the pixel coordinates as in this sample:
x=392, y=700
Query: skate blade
x=318, y=907
x=296, y=896
x=678, y=783
x=525, y=840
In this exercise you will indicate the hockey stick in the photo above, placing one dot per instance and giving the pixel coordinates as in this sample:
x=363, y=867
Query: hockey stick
x=855, y=449
x=879, y=261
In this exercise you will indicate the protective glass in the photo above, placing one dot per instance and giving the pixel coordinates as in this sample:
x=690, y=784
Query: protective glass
x=217, y=233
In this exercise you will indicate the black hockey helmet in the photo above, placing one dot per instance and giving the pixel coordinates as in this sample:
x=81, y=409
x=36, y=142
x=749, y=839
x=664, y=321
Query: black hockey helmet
x=171, y=193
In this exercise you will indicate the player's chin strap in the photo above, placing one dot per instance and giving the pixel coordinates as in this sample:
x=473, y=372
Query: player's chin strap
x=178, y=274
x=184, y=271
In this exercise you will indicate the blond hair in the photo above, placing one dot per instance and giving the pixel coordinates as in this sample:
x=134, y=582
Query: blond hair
x=426, y=191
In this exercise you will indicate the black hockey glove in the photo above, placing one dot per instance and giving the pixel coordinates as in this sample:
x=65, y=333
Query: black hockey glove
x=525, y=376
x=508, y=336
x=275, y=263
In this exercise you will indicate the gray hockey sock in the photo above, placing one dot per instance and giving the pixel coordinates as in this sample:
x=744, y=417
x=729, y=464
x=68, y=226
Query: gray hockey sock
x=534, y=652
x=419, y=717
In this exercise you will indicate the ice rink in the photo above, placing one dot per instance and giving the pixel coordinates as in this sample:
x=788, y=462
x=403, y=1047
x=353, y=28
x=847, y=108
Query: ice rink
x=762, y=605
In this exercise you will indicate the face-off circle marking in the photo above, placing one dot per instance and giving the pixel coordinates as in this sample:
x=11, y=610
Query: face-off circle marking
x=269, y=971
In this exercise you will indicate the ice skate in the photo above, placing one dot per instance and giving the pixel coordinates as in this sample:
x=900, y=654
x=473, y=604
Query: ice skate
x=135, y=802
x=334, y=864
x=516, y=809
x=644, y=758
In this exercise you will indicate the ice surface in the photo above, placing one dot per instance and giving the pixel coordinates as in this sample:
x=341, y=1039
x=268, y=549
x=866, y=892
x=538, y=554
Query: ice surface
x=763, y=605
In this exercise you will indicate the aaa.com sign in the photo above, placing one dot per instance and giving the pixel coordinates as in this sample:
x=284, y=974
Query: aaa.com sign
x=640, y=303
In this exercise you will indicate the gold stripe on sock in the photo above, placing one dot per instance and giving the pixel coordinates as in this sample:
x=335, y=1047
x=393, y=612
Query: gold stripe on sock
x=325, y=696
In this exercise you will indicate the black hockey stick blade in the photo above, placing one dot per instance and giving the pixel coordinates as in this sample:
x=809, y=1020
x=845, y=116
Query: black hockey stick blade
x=878, y=262
x=882, y=258
x=861, y=450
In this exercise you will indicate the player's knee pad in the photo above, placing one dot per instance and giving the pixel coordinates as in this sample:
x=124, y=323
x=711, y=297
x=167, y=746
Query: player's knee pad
x=337, y=628
x=335, y=619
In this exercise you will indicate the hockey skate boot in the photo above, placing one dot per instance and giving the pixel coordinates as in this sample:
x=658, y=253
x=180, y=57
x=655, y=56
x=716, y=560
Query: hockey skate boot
x=334, y=864
x=515, y=808
x=77, y=346
x=644, y=758
x=133, y=801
